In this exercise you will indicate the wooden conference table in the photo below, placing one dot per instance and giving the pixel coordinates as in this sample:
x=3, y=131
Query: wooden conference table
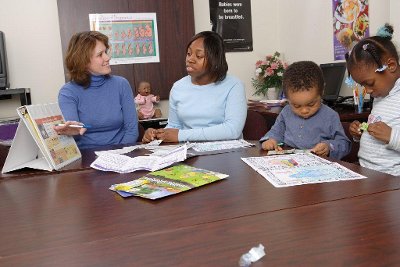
x=72, y=219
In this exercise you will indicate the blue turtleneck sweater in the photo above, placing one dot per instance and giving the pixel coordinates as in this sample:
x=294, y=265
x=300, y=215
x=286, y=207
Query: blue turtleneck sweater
x=107, y=105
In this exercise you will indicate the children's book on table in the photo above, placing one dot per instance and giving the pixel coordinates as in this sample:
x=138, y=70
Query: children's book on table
x=166, y=182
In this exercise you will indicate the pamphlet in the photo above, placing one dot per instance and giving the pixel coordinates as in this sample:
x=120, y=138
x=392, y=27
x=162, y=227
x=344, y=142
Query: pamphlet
x=166, y=182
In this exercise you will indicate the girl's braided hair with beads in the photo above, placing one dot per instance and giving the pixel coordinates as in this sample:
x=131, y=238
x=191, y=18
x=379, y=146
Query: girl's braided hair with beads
x=371, y=50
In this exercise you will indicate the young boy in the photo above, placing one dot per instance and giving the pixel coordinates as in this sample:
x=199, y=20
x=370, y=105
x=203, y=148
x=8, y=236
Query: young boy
x=306, y=123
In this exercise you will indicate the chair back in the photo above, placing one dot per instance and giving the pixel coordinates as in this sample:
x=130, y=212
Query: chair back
x=255, y=126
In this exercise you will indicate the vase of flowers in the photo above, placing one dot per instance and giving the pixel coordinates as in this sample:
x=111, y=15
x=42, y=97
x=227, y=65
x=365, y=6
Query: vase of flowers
x=269, y=72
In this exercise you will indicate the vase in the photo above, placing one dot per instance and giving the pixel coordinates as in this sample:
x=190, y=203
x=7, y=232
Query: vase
x=272, y=93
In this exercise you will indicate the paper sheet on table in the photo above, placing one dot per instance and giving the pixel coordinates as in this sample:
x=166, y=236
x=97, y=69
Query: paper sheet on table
x=124, y=164
x=220, y=145
x=298, y=169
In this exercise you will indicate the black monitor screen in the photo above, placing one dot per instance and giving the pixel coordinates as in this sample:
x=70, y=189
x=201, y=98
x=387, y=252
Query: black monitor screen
x=333, y=76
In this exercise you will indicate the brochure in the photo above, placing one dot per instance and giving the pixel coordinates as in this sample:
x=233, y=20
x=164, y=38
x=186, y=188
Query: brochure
x=166, y=182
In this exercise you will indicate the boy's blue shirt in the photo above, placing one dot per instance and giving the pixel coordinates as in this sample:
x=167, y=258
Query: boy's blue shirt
x=323, y=126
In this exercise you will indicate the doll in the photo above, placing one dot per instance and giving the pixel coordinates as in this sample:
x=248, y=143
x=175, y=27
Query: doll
x=145, y=101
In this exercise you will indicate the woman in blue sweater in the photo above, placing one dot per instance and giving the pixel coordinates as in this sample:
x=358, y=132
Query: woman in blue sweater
x=94, y=97
x=207, y=104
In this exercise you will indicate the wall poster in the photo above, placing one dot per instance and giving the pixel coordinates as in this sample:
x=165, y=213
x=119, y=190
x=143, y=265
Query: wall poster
x=350, y=24
x=133, y=37
x=232, y=20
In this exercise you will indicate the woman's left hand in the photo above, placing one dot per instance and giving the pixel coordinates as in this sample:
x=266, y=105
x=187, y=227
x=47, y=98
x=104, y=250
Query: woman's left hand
x=168, y=135
x=380, y=131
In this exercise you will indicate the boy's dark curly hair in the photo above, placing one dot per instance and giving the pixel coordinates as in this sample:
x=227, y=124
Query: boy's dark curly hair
x=302, y=76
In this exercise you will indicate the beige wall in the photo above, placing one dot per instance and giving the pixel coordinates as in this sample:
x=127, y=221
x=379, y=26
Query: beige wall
x=33, y=49
x=298, y=29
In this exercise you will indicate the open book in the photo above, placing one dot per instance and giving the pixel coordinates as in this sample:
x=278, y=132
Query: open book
x=36, y=145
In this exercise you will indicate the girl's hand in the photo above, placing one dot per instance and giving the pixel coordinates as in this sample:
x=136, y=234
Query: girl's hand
x=149, y=135
x=67, y=130
x=354, y=129
x=169, y=135
x=271, y=144
x=380, y=131
x=321, y=149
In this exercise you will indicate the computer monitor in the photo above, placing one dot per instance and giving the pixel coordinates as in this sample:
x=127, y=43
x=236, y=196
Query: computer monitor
x=333, y=76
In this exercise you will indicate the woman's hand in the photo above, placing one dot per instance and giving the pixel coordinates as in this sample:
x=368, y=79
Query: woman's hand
x=66, y=129
x=321, y=149
x=149, y=135
x=168, y=135
x=271, y=144
x=354, y=129
x=380, y=131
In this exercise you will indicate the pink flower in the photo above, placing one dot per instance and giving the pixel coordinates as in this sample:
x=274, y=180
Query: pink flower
x=258, y=63
x=274, y=66
x=269, y=72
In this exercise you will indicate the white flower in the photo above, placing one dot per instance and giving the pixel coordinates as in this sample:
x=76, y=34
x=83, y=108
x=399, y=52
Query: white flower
x=280, y=74
x=258, y=71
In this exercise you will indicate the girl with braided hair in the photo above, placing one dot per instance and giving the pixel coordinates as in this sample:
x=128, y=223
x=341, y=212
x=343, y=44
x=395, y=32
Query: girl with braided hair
x=374, y=64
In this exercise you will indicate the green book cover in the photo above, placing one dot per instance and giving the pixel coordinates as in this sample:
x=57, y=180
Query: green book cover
x=168, y=181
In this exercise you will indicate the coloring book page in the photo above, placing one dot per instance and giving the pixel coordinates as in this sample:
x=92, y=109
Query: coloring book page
x=298, y=169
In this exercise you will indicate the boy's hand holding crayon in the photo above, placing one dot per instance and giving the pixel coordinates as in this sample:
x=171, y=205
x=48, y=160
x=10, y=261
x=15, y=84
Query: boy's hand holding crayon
x=272, y=144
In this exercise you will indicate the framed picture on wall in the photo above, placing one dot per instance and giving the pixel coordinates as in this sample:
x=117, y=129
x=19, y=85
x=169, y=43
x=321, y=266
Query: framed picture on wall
x=133, y=37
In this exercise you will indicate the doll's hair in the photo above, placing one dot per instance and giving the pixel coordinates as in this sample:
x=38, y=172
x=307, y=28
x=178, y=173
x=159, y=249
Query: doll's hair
x=303, y=76
x=79, y=52
x=214, y=49
x=371, y=51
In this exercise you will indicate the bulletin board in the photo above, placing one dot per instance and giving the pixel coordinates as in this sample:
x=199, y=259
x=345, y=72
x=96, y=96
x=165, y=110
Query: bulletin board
x=175, y=22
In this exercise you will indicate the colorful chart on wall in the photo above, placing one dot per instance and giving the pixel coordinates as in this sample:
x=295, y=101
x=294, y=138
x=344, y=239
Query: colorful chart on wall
x=133, y=37
x=350, y=24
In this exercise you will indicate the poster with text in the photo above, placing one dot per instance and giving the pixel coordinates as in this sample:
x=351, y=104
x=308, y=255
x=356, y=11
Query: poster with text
x=350, y=24
x=133, y=37
x=232, y=20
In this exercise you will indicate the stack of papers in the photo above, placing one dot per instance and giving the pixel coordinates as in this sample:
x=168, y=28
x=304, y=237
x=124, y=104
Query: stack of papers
x=124, y=164
x=127, y=149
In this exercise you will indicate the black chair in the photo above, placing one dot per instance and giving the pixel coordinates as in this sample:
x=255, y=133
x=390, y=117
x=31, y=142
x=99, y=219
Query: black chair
x=141, y=132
